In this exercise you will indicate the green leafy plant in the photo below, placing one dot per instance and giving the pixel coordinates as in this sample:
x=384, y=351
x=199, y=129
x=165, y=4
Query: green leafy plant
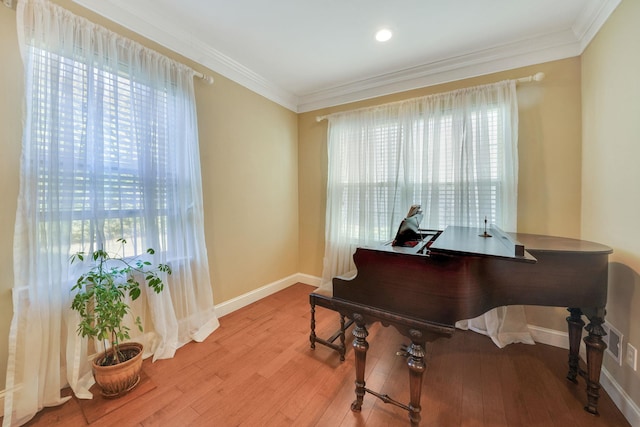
x=101, y=291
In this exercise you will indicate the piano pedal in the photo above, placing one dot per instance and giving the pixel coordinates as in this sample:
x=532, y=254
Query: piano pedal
x=404, y=351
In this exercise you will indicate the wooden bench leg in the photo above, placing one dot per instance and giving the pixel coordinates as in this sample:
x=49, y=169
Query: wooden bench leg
x=341, y=348
x=312, y=335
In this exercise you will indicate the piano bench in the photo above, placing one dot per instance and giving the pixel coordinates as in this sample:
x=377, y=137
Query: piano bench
x=321, y=297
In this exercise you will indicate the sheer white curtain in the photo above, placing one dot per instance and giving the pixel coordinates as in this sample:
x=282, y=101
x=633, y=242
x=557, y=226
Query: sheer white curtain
x=110, y=150
x=453, y=153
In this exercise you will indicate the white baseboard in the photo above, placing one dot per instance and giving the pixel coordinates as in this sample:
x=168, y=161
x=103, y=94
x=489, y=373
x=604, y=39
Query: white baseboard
x=309, y=280
x=552, y=337
x=622, y=400
x=250, y=297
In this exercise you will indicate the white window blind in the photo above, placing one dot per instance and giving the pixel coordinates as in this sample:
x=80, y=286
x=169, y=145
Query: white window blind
x=459, y=179
x=455, y=154
x=111, y=174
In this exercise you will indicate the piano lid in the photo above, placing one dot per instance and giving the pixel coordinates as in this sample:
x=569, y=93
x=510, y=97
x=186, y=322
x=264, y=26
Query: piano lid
x=456, y=240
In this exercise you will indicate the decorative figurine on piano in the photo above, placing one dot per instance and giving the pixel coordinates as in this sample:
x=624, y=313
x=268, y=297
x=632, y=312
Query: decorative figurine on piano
x=408, y=234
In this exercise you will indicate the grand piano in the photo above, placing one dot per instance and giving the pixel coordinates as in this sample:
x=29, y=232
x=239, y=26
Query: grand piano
x=424, y=287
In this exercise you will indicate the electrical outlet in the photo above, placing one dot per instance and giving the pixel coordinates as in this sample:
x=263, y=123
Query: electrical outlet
x=632, y=356
x=613, y=339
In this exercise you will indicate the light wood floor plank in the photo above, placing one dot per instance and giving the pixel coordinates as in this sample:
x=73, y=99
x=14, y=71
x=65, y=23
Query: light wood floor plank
x=257, y=370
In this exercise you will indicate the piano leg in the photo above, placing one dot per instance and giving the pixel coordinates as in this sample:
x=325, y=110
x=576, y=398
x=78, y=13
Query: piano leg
x=415, y=361
x=360, y=346
x=575, y=325
x=595, y=352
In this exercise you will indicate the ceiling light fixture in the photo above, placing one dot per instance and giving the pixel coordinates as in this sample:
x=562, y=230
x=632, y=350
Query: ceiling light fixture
x=383, y=35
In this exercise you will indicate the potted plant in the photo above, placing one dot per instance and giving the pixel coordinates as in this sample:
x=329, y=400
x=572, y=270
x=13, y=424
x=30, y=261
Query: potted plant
x=100, y=300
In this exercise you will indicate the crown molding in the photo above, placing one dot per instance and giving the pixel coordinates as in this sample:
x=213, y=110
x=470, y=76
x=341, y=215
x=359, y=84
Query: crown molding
x=158, y=29
x=550, y=47
x=521, y=53
x=591, y=20
x=506, y=57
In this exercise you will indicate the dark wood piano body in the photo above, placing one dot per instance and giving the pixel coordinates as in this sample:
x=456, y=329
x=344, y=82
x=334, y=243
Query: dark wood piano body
x=458, y=274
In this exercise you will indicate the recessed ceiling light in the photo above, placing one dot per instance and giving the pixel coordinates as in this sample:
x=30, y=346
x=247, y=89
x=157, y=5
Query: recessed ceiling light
x=383, y=35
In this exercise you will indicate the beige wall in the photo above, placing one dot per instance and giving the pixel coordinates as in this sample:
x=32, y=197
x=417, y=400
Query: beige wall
x=249, y=154
x=611, y=170
x=249, y=158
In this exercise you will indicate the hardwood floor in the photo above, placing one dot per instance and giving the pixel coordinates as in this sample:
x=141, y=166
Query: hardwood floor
x=257, y=370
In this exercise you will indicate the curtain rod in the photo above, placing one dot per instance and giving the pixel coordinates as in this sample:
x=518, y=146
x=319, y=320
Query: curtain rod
x=532, y=78
x=539, y=76
x=207, y=79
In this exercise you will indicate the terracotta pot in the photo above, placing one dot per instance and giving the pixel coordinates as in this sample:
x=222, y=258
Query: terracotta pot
x=117, y=380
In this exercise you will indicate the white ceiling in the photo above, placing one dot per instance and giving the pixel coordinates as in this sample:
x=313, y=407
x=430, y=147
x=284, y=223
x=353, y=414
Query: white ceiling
x=307, y=55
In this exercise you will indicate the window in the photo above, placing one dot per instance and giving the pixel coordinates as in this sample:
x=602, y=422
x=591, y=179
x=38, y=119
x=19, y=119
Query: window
x=107, y=172
x=429, y=172
x=109, y=150
x=455, y=154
